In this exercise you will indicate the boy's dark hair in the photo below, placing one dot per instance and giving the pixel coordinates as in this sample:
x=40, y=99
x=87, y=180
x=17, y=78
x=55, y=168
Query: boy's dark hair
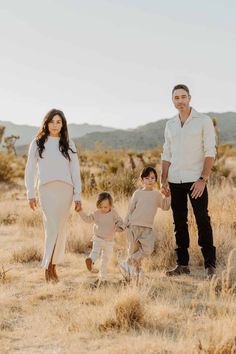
x=103, y=196
x=146, y=172
x=181, y=86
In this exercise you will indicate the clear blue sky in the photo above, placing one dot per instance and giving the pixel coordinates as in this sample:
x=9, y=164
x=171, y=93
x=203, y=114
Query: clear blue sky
x=114, y=62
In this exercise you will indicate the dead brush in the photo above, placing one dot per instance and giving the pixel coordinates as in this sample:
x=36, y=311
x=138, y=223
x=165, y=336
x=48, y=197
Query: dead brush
x=27, y=255
x=81, y=243
x=129, y=314
x=227, y=348
x=3, y=272
x=226, y=284
x=231, y=270
x=9, y=219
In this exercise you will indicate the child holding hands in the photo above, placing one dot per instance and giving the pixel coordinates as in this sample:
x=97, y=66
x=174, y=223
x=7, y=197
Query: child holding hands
x=106, y=222
x=139, y=221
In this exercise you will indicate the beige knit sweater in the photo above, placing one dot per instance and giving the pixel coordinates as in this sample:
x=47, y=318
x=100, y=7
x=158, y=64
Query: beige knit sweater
x=143, y=207
x=105, y=225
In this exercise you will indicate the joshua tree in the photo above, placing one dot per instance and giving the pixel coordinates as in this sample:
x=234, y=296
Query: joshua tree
x=2, y=129
x=9, y=143
x=140, y=156
x=131, y=160
x=217, y=130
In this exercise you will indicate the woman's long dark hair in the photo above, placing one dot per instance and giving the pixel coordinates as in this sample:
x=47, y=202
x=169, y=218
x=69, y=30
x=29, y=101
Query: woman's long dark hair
x=43, y=134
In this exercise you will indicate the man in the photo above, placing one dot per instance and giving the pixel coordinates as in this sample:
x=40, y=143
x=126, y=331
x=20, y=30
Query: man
x=187, y=159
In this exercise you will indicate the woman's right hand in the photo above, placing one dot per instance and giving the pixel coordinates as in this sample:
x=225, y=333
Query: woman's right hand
x=33, y=203
x=78, y=206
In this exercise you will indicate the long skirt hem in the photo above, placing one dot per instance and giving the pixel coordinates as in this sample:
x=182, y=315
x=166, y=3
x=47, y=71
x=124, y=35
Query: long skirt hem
x=55, y=199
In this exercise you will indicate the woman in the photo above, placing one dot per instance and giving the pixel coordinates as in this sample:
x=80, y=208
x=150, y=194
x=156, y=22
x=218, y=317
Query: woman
x=53, y=165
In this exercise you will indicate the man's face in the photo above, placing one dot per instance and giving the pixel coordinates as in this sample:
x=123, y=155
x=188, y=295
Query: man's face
x=181, y=99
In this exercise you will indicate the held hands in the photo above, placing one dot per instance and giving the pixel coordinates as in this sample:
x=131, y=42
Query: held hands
x=165, y=189
x=78, y=206
x=198, y=188
x=119, y=229
x=33, y=204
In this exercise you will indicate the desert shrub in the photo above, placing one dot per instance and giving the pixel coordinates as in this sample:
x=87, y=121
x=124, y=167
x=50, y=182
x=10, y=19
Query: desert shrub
x=18, y=166
x=30, y=219
x=122, y=183
x=231, y=270
x=6, y=325
x=78, y=243
x=6, y=169
x=129, y=313
x=226, y=150
x=9, y=219
x=3, y=274
x=27, y=255
x=215, y=348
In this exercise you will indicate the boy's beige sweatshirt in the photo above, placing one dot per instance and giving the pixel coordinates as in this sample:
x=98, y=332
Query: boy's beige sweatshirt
x=105, y=225
x=143, y=207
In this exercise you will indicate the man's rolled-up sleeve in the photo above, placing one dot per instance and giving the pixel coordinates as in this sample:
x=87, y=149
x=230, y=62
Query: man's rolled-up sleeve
x=209, y=138
x=166, y=154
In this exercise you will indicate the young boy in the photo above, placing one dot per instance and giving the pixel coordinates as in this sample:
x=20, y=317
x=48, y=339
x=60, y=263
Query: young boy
x=139, y=221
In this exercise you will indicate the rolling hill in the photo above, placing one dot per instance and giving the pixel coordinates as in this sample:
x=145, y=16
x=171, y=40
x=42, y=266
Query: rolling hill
x=140, y=138
x=152, y=134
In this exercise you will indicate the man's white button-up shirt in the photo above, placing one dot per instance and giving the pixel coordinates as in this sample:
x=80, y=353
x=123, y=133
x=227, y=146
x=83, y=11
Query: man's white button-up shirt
x=187, y=146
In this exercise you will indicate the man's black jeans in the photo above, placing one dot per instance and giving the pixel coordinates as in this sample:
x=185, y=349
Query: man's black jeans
x=179, y=205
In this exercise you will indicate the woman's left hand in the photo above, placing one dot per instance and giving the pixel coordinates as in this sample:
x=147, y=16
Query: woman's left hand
x=78, y=205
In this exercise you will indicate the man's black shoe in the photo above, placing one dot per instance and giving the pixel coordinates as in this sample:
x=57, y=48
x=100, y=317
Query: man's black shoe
x=178, y=270
x=210, y=272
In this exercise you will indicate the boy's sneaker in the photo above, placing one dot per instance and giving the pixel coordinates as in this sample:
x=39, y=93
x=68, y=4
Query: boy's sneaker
x=89, y=263
x=125, y=270
x=178, y=270
x=128, y=270
x=124, y=267
x=137, y=272
x=141, y=274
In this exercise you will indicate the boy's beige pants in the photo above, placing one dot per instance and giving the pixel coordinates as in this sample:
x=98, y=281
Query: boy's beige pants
x=140, y=242
x=104, y=249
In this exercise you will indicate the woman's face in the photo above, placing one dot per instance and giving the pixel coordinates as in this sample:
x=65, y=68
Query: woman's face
x=55, y=125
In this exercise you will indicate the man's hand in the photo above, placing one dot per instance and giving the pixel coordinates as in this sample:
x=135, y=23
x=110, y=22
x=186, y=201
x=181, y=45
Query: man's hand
x=165, y=189
x=78, y=206
x=198, y=188
x=33, y=203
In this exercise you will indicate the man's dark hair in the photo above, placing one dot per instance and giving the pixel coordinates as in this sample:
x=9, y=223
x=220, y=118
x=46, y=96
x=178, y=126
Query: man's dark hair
x=181, y=86
x=146, y=172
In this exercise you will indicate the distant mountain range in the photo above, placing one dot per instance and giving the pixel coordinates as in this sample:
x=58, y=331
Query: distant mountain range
x=140, y=138
x=152, y=134
x=27, y=132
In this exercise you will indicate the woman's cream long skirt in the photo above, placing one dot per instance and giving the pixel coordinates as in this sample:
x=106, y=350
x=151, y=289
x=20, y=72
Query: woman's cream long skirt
x=55, y=199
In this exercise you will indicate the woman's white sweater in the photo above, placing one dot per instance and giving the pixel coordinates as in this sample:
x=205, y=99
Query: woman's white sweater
x=52, y=167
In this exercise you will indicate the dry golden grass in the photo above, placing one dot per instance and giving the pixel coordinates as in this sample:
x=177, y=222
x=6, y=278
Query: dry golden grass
x=187, y=314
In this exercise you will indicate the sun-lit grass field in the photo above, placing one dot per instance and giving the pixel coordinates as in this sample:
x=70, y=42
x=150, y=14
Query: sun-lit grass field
x=156, y=314
x=187, y=314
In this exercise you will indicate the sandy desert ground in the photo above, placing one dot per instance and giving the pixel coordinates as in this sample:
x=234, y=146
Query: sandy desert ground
x=187, y=314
